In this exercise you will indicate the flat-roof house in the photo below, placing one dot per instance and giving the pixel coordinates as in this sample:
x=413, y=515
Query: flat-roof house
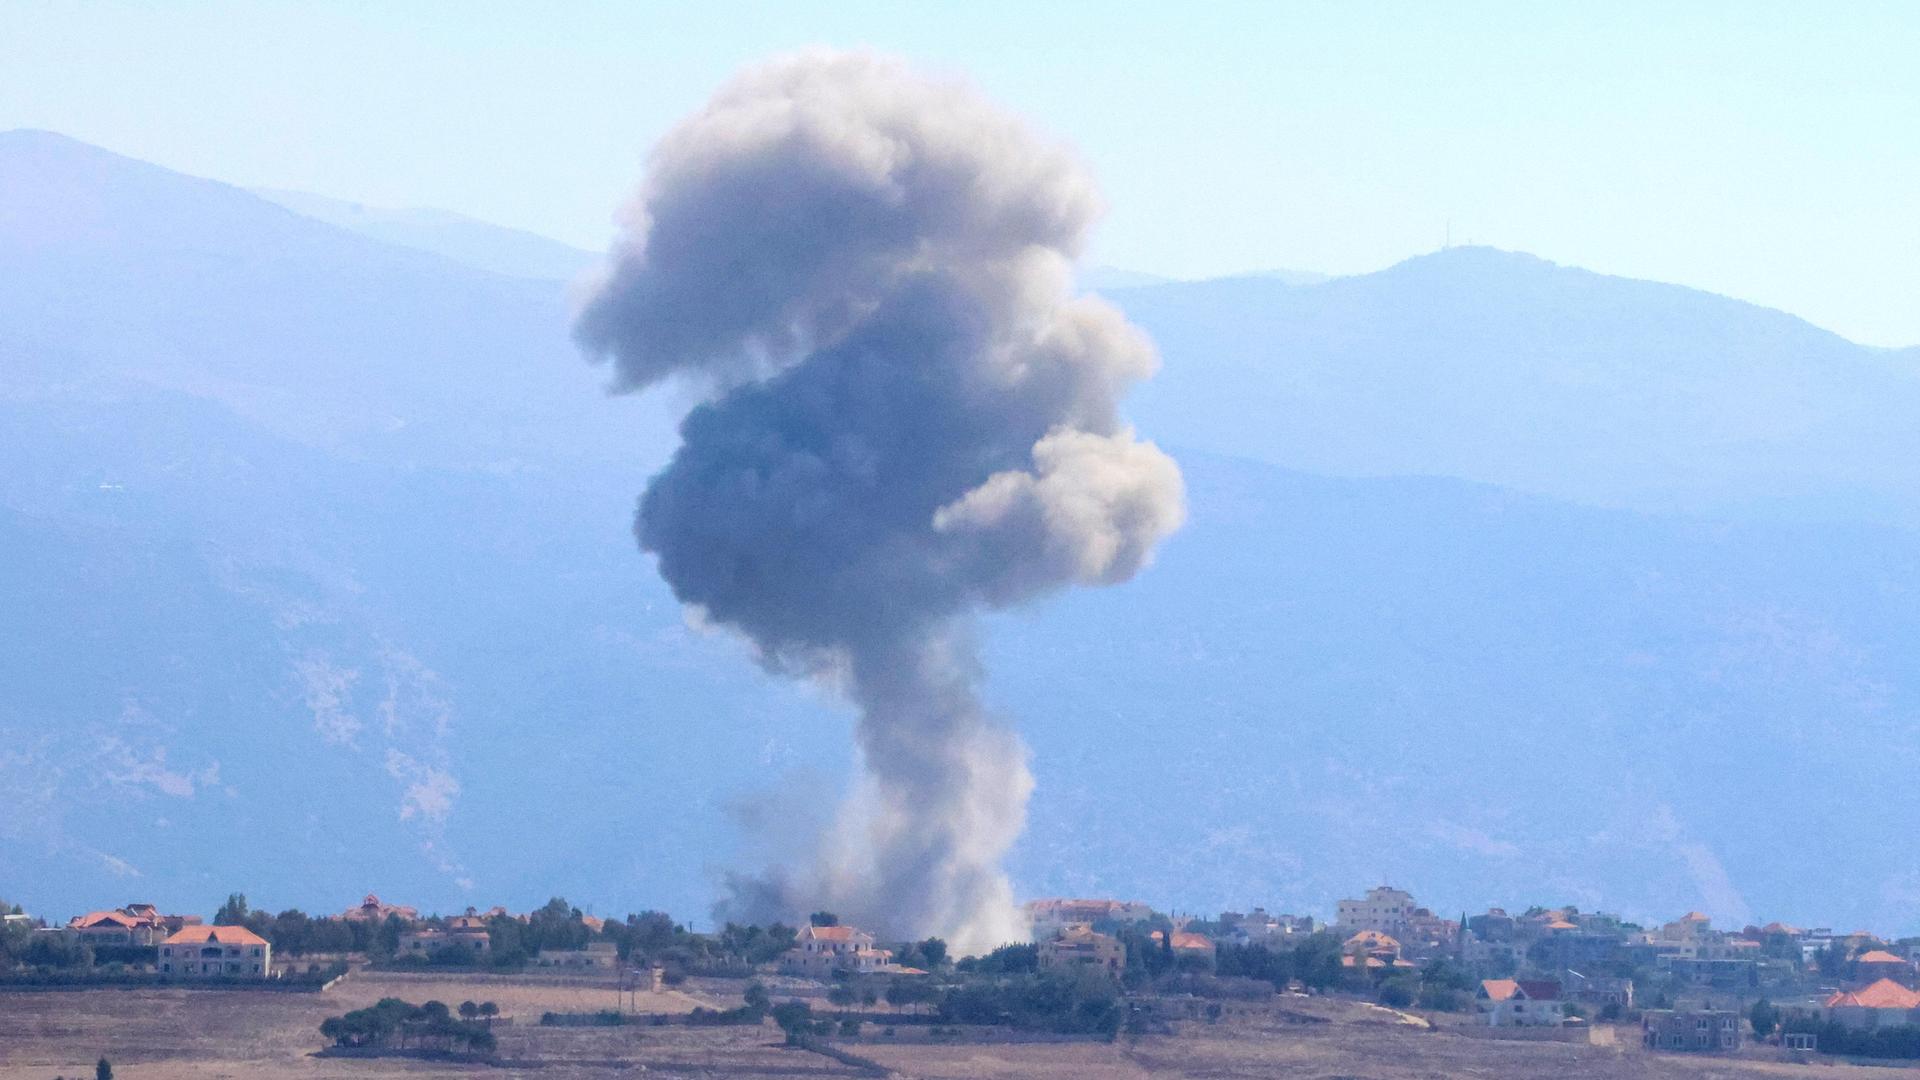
x=208, y=951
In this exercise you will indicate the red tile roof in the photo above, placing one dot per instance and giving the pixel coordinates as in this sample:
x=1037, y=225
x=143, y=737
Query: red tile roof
x=1878, y=956
x=1885, y=994
x=1499, y=989
x=224, y=935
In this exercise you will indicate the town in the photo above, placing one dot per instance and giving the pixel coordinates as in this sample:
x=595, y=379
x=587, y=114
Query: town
x=1096, y=970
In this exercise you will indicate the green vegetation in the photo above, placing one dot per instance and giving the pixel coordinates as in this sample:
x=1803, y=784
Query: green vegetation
x=393, y=1023
x=1899, y=1043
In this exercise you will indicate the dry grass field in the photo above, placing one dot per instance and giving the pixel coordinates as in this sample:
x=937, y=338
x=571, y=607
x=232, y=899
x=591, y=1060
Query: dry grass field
x=178, y=1035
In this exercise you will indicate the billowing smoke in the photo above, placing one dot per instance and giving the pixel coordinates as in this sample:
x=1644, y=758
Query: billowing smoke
x=907, y=416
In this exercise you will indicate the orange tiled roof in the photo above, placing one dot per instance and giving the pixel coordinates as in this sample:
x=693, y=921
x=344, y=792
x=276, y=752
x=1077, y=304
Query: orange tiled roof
x=1184, y=940
x=1878, y=956
x=95, y=918
x=1499, y=989
x=224, y=935
x=833, y=933
x=1561, y=924
x=1373, y=939
x=1885, y=994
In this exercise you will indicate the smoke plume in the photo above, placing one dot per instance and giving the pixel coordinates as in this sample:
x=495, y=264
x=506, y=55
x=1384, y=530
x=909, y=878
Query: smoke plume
x=907, y=415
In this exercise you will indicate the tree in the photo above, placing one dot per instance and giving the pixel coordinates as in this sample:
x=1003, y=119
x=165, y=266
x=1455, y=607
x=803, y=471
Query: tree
x=233, y=912
x=468, y=1010
x=1764, y=1017
x=824, y=918
x=794, y=1017
x=757, y=997
x=841, y=996
x=488, y=1010
x=103, y=1070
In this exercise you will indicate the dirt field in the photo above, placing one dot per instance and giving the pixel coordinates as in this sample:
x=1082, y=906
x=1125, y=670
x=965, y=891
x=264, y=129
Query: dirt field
x=176, y=1035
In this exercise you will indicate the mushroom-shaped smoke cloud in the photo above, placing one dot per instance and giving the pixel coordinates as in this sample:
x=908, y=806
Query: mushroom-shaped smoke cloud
x=908, y=415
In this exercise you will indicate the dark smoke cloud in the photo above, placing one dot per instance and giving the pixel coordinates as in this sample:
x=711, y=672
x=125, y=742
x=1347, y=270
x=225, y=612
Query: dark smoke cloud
x=908, y=416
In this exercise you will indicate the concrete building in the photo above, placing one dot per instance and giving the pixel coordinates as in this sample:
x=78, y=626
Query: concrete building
x=1521, y=1002
x=207, y=951
x=1081, y=946
x=1051, y=916
x=1709, y=1030
x=430, y=942
x=595, y=956
x=1385, y=909
x=1598, y=990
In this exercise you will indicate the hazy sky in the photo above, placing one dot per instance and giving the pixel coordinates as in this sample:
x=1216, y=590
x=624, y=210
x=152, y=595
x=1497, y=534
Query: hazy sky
x=1766, y=151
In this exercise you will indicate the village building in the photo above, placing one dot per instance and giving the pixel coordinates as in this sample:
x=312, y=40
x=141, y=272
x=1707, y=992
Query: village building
x=1187, y=944
x=1521, y=1002
x=1049, y=917
x=208, y=951
x=819, y=951
x=1258, y=927
x=1697, y=1030
x=372, y=910
x=135, y=924
x=1082, y=946
x=1876, y=964
x=432, y=942
x=595, y=955
x=1882, y=1004
x=1601, y=990
x=1385, y=909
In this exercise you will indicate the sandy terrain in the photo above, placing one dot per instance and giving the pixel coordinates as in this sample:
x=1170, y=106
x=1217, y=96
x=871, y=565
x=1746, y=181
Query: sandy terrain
x=177, y=1035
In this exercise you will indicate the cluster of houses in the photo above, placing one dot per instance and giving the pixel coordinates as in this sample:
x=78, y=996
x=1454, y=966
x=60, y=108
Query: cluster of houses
x=182, y=944
x=1554, y=967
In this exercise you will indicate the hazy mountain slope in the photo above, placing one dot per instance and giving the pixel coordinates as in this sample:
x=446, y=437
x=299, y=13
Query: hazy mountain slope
x=324, y=542
x=479, y=244
x=1510, y=370
x=325, y=336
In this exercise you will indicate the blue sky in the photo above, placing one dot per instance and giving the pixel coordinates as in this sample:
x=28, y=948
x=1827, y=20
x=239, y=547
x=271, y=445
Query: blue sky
x=1766, y=151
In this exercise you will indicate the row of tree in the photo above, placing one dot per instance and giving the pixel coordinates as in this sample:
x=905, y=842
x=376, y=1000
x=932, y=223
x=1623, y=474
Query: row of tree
x=393, y=1023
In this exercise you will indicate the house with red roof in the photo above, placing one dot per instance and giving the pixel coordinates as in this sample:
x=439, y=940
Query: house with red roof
x=819, y=951
x=200, y=952
x=1881, y=1004
x=1521, y=1002
x=1876, y=964
x=135, y=924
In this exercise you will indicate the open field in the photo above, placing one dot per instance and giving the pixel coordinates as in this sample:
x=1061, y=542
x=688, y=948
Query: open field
x=177, y=1035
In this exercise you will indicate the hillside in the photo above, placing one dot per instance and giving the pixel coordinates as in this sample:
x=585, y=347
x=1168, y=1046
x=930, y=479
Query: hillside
x=1510, y=370
x=323, y=541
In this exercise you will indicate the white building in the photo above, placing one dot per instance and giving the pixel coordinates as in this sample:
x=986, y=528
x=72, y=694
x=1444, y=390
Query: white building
x=1521, y=1003
x=1385, y=909
x=819, y=951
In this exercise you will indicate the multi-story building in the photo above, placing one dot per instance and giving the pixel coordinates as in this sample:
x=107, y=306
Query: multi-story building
x=819, y=951
x=1386, y=909
x=1714, y=1030
x=1049, y=917
x=207, y=951
x=1080, y=946
x=135, y=924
